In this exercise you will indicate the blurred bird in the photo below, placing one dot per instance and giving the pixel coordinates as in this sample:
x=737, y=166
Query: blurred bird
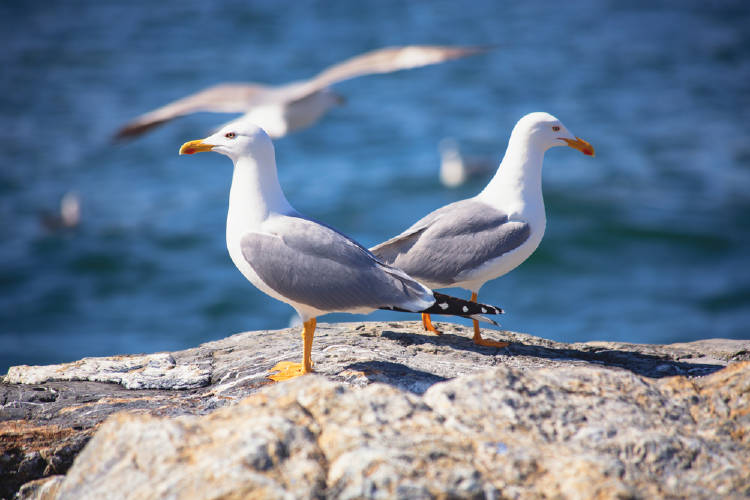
x=297, y=260
x=456, y=169
x=69, y=215
x=282, y=109
x=469, y=242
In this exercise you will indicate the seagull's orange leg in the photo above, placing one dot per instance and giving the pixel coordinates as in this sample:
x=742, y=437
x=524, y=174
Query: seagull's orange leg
x=287, y=369
x=427, y=323
x=478, y=336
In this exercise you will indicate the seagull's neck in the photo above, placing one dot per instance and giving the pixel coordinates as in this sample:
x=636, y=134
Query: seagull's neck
x=255, y=194
x=517, y=184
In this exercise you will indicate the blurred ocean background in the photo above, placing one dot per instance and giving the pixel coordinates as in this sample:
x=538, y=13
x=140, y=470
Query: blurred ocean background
x=647, y=242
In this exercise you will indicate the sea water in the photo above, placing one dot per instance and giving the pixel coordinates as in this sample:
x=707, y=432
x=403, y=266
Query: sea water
x=647, y=242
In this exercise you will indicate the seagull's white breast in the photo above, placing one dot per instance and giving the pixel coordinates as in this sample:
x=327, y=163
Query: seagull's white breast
x=304, y=112
x=528, y=209
x=279, y=119
x=473, y=279
x=270, y=118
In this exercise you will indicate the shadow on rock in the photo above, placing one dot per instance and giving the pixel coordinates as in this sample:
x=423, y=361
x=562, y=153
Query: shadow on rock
x=640, y=363
x=396, y=374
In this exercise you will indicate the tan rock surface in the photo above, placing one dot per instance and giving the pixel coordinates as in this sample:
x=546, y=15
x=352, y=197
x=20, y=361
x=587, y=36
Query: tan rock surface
x=589, y=432
x=47, y=414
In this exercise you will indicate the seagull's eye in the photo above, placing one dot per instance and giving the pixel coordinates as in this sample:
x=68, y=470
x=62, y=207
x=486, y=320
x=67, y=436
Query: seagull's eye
x=556, y=128
x=230, y=135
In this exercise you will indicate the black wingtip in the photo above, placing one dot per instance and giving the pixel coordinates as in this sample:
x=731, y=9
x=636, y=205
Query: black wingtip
x=125, y=134
x=453, y=306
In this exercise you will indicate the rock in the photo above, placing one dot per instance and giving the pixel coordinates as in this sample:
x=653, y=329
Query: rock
x=153, y=371
x=589, y=432
x=48, y=414
x=40, y=489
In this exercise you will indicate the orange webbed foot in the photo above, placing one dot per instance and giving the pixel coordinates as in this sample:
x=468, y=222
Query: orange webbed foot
x=490, y=343
x=287, y=370
x=478, y=335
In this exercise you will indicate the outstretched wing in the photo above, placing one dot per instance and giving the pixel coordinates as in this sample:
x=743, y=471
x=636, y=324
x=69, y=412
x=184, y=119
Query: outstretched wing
x=223, y=98
x=384, y=60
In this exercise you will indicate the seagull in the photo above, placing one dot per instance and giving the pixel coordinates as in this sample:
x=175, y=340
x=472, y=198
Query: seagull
x=69, y=215
x=455, y=168
x=300, y=261
x=282, y=109
x=470, y=242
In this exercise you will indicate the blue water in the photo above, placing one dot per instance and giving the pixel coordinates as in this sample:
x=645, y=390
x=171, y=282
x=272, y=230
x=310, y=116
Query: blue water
x=647, y=242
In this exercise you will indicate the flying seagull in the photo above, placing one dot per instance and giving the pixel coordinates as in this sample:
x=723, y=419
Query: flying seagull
x=307, y=264
x=282, y=109
x=470, y=242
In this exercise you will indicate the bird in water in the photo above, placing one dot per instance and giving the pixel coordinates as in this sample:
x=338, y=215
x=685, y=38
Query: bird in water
x=69, y=215
x=457, y=169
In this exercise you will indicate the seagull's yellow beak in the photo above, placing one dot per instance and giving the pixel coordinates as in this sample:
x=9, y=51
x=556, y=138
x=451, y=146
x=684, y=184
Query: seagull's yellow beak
x=193, y=147
x=579, y=144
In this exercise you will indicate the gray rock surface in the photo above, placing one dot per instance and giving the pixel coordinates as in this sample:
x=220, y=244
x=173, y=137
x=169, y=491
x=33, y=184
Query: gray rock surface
x=46, y=488
x=583, y=433
x=608, y=411
x=149, y=371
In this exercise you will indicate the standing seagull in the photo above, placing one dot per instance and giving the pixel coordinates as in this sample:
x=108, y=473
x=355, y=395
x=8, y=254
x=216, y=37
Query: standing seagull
x=282, y=109
x=470, y=242
x=306, y=264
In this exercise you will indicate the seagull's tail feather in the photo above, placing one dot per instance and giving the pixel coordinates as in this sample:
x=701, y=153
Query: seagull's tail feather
x=453, y=306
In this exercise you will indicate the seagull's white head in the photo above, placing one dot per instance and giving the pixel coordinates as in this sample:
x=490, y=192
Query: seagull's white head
x=544, y=131
x=235, y=140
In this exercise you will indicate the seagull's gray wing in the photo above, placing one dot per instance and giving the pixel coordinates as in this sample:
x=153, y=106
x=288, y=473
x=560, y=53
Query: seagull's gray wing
x=224, y=98
x=315, y=265
x=452, y=240
x=385, y=60
x=389, y=250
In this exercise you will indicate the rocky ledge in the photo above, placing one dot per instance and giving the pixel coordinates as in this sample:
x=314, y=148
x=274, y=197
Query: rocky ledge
x=392, y=412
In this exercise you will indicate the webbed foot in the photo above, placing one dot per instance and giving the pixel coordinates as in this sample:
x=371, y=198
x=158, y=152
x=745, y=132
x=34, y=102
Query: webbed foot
x=287, y=370
x=490, y=343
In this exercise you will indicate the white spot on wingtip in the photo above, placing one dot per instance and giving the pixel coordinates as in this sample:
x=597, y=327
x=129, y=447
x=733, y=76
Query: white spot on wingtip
x=465, y=309
x=443, y=306
x=484, y=310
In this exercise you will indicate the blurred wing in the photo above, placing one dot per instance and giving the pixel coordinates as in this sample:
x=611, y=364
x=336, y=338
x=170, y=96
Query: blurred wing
x=224, y=98
x=385, y=60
